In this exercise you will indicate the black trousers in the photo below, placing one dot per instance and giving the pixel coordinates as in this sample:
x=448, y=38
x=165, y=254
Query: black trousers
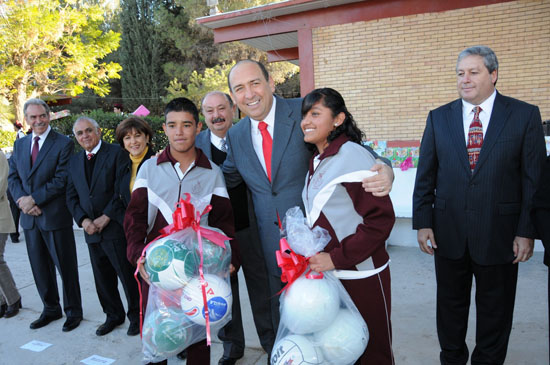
x=495, y=296
x=16, y=213
x=109, y=263
x=47, y=251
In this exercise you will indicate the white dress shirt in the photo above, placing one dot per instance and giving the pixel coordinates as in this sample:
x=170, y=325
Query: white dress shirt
x=95, y=150
x=217, y=141
x=43, y=137
x=257, y=135
x=484, y=115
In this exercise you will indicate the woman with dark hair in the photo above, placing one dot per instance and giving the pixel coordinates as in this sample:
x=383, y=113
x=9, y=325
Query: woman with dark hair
x=134, y=135
x=358, y=222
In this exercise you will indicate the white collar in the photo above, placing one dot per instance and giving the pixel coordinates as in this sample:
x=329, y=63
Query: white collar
x=96, y=148
x=486, y=105
x=44, y=135
x=269, y=119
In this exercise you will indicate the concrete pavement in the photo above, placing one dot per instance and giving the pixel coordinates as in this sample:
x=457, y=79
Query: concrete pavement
x=413, y=317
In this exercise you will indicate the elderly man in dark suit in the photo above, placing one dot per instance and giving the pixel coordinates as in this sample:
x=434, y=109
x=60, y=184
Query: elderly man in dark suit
x=267, y=151
x=480, y=161
x=37, y=182
x=219, y=111
x=93, y=199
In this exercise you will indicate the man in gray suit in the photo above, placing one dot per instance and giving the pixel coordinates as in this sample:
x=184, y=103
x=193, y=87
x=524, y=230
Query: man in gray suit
x=219, y=112
x=276, y=186
x=480, y=160
x=37, y=182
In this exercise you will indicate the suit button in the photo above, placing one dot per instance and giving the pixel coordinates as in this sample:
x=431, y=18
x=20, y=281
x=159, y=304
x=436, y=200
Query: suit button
x=273, y=193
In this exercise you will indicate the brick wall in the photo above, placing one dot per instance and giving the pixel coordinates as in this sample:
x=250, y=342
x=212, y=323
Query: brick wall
x=393, y=71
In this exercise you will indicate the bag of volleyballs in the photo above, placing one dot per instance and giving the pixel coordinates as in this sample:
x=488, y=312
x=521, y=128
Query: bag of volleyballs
x=218, y=297
x=295, y=350
x=165, y=333
x=170, y=264
x=309, y=305
x=343, y=341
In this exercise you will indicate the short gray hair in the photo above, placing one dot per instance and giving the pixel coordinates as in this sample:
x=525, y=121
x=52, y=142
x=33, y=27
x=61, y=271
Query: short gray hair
x=489, y=57
x=83, y=118
x=36, y=101
x=229, y=100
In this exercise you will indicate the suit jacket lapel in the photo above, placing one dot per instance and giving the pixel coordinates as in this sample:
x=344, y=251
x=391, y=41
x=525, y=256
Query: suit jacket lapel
x=46, y=146
x=206, y=144
x=499, y=118
x=99, y=162
x=456, y=126
x=26, y=146
x=284, y=125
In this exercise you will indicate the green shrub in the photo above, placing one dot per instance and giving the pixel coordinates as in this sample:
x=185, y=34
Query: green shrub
x=108, y=122
x=7, y=138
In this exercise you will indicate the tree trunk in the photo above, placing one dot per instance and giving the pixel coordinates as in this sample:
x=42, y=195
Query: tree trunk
x=19, y=100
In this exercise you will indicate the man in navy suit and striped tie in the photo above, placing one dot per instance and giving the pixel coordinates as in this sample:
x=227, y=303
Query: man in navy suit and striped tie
x=480, y=160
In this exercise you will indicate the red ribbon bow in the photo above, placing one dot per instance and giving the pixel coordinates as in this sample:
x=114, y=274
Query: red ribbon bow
x=292, y=265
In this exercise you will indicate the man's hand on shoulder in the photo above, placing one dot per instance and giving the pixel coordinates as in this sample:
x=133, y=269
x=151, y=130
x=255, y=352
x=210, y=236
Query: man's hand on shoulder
x=424, y=235
x=381, y=183
x=523, y=249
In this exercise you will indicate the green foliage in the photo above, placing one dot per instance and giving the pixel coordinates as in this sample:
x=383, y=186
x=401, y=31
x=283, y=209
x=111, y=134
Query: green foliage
x=108, y=122
x=7, y=138
x=52, y=47
x=141, y=54
x=200, y=84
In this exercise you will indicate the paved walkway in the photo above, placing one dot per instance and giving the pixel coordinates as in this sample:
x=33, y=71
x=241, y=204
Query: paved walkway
x=413, y=317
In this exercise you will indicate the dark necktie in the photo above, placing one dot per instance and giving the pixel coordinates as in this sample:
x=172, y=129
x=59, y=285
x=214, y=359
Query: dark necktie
x=34, y=153
x=223, y=145
x=267, y=146
x=475, y=139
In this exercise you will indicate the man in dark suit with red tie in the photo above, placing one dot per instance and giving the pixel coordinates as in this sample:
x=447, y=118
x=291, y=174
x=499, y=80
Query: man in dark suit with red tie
x=37, y=182
x=480, y=160
x=94, y=201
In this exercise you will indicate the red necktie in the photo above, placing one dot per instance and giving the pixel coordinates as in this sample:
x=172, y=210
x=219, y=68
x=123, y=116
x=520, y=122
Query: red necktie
x=475, y=139
x=34, y=152
x=267, y=146
x=89, y=156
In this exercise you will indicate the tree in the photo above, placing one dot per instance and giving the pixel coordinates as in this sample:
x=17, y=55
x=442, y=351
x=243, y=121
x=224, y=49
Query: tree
x=52, y=47
x=141, y=54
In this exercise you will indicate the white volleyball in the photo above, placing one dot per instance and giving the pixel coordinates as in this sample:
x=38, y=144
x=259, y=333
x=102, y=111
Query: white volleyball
x=345, y=339
x=218, y=297
x=295, y=350
x=309, y=305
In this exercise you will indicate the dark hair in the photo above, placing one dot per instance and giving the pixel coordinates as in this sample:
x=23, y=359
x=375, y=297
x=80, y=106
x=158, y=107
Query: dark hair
x=259, y=64
x=128, y=124
x=182, y=105
x=335, y=102
x=118, y=106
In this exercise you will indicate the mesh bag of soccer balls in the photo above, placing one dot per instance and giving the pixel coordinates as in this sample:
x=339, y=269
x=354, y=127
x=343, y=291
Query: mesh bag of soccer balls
x=176, y=315
x=319, y=324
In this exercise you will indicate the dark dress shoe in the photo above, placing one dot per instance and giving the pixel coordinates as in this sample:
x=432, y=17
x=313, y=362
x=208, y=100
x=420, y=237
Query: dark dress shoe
x=14, y=239
x=182, y=355
x=108, y=326
x=3, y=309
x=13, y=309
x=133, y=329
x=44, y=320
x=71, y=323
x=226, y=360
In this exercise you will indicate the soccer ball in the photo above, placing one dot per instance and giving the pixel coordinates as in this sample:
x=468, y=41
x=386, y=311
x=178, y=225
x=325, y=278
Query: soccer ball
x=295, y=350
x=218, y=298
x=166, y=332
x=309, y=305
x=345, y=339
x=170, y=264
x=215, y=258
